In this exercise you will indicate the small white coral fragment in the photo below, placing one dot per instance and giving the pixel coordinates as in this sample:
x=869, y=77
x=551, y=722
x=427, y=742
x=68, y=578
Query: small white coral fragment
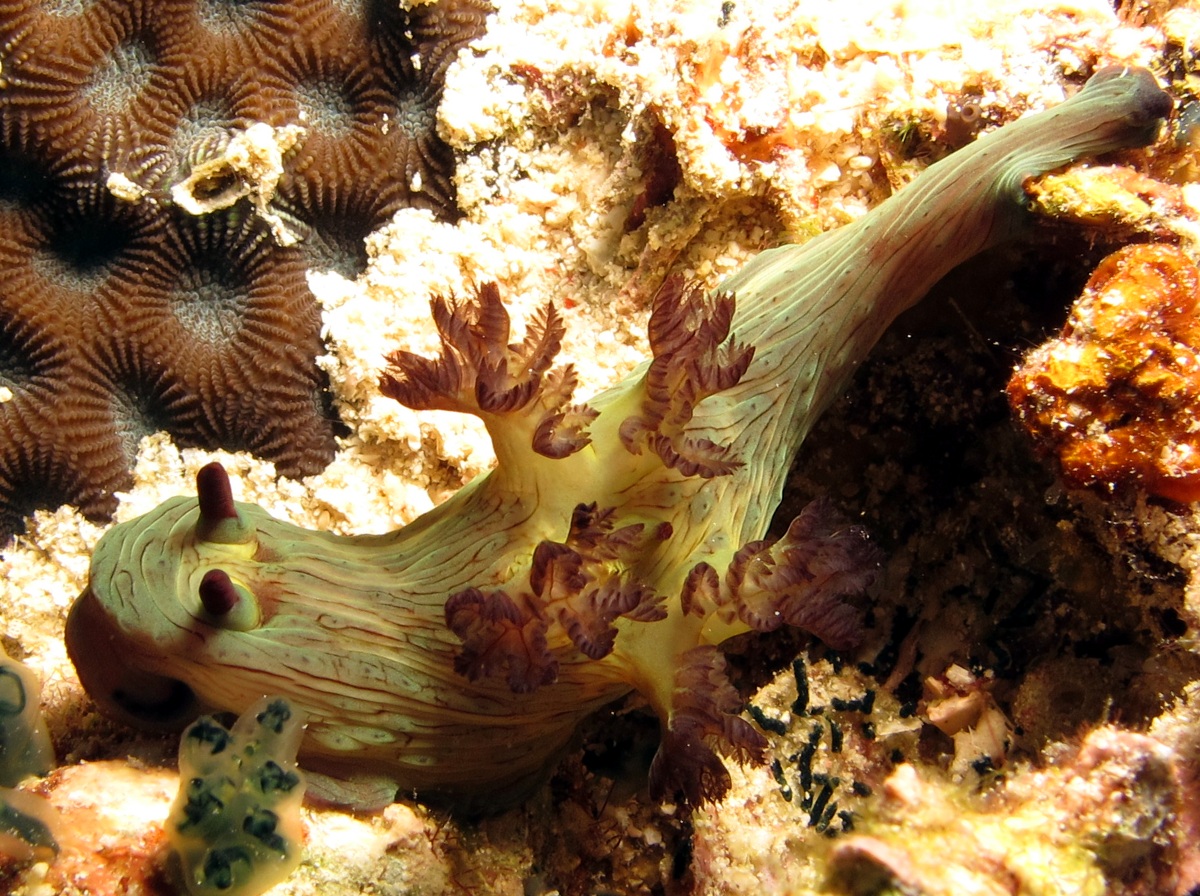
x=961, y=706
x=235, y=823
x=125, y=189
x=250, y=165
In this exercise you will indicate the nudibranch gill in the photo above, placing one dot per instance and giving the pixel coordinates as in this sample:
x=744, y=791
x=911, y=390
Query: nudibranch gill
x=612, y=548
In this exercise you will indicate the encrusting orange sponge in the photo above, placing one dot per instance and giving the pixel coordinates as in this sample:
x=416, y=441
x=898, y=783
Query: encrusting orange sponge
x=1116, y=397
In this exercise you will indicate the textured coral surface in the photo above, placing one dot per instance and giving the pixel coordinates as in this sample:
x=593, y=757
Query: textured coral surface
x=1015, y=616
x=128, y=307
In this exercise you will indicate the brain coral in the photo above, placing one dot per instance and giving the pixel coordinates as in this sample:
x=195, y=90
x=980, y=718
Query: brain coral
x=126, y=308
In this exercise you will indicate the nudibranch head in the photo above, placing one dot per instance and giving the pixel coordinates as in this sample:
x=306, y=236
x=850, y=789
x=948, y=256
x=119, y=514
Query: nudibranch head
x=138, y=639
x=206, y=604
x=123, y=626
x=167, y=599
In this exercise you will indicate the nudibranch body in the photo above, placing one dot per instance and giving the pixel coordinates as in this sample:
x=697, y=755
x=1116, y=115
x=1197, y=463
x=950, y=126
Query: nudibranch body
x=612, y=548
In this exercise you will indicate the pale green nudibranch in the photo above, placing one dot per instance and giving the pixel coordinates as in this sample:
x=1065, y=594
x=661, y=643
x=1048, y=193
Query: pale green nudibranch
x=613, y=547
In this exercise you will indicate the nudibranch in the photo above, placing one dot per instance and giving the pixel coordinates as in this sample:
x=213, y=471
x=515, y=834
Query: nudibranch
x=612, y=548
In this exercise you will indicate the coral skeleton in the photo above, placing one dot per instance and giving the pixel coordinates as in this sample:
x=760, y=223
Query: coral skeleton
x=616, y=544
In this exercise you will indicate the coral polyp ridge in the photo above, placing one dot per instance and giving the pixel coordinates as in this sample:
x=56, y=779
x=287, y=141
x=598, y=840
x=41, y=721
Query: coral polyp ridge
x=128, y=307
x=615, y=545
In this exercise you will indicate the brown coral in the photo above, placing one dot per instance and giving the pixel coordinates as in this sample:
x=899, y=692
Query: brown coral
x=1115, y=398
x=120, y=314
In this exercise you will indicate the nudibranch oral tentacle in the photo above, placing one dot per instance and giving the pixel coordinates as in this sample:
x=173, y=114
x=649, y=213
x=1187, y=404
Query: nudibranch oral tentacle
x=613, y=547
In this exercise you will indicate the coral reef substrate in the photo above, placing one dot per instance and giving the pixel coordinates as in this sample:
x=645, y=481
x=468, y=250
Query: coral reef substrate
x=615, y=545
x=1001, y=589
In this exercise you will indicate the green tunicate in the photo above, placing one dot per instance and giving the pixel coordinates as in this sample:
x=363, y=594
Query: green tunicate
x=235, y=824
x=25, y=748
x=25, y=827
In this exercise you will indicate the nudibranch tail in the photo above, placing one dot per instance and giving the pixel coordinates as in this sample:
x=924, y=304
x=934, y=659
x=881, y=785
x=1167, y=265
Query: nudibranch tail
x=616, y=543
x=813, y=311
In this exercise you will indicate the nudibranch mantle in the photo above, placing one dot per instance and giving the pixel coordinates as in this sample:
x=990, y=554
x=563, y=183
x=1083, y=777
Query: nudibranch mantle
x=612, y=548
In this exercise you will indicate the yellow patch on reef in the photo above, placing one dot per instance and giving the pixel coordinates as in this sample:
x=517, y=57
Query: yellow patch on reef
x=1061, y=831
x=1115, y=199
